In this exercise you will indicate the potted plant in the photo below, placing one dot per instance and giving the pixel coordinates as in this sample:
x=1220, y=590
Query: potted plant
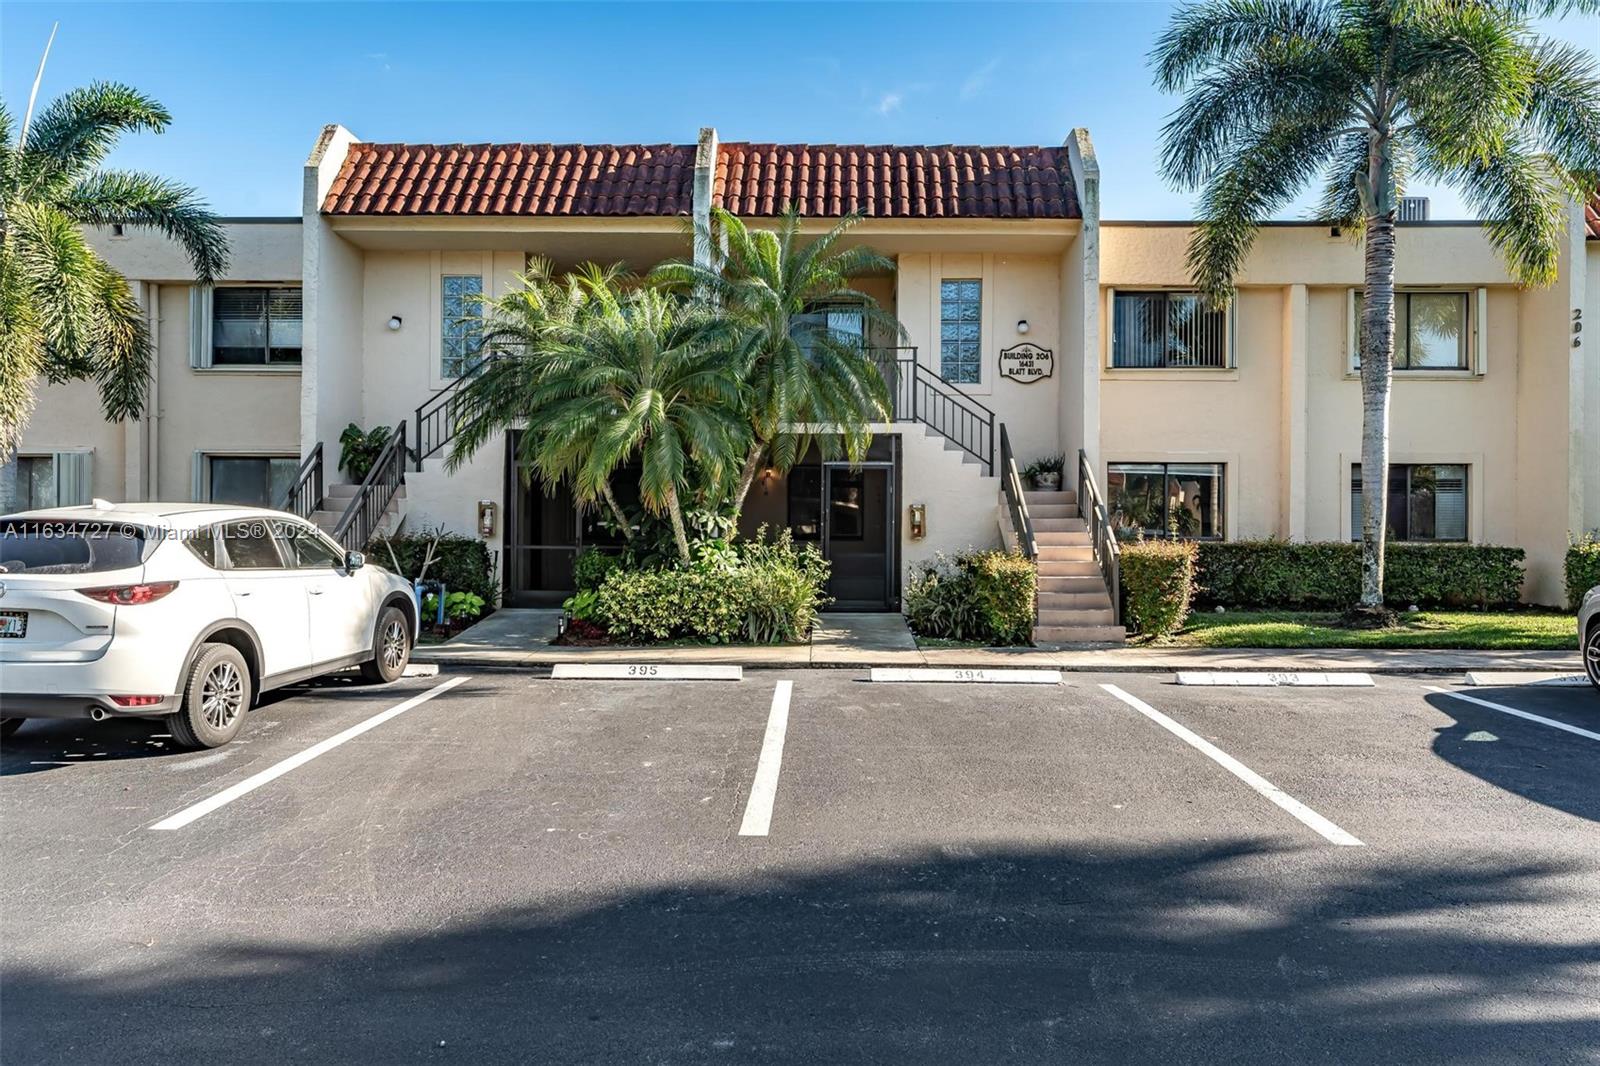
x=1045, y=474
x=359, y=449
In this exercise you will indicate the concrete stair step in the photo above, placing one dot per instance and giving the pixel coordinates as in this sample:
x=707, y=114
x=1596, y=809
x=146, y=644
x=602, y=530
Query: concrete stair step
x=1077, y=577
x=1096, y=600
x=1091, y=634
x=1081, y=616
x=346, y=491
x=1041, y=512
x=1065, y=569
x=1062, y=524
x=1064, y=498
x=1063, y=539
x=1063, y=553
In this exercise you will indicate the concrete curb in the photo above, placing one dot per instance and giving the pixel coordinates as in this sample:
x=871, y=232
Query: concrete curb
x=1073, y=662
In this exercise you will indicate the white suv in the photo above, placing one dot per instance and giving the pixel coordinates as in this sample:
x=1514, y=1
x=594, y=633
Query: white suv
x=184, y=612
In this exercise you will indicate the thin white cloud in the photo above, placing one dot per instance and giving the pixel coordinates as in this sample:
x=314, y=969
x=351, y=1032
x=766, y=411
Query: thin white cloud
x=979, y=79
x=890, y=102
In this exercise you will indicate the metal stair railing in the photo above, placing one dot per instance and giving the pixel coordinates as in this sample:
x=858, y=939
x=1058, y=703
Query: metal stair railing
x=372, y=497
x=305, y=494
x=1092, y=507
x=1016, y=501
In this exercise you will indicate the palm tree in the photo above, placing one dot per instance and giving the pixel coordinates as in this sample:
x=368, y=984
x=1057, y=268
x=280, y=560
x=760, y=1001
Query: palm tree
x=67, y=315
x=801, y=374
x=602, y=375
x=1365, y=94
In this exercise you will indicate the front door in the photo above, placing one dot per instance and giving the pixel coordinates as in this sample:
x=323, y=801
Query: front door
x=858, y=510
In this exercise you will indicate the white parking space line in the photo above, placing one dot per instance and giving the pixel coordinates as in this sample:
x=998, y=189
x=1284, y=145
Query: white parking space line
x=1324, y=828
x=764, y=791
x=272, y=773
x=1503, y=709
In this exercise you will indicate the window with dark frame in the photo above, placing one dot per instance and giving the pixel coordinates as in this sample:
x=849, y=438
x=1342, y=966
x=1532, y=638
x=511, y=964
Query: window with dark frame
x=1167, y=330
x=1427, y=502
x=961, y=330
x=255, y=326
x=1430, y=330
x=1182, y=500
x=251, y=480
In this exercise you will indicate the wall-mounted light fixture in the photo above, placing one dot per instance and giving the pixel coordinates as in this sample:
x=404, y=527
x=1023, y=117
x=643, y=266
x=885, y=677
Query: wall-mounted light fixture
x=487, y=510
x=919, y=521
x=1022, y=325
x=767, y=477
x=394, y=323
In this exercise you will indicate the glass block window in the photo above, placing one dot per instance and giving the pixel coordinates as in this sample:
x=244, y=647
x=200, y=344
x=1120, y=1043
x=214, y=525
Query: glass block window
x=960, y=330
x=461, y=323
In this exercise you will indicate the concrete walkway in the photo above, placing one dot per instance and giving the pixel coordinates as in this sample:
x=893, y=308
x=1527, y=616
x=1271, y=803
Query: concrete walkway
x=521, y=638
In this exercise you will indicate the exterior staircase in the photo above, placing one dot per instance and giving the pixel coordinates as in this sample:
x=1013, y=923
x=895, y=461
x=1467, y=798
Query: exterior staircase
x=1074, y=604
x=337, y=499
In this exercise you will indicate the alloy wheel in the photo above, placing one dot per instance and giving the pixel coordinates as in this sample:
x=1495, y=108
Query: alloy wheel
x=393, y=646
x=222, y=695
x=1591, y=656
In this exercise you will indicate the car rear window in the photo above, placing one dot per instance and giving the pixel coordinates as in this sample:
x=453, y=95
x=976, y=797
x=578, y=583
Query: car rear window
x=35, y=547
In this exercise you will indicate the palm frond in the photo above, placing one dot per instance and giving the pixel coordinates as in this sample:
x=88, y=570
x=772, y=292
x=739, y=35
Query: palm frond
x=144, y=200
x=79, y=128
x=1201, y=36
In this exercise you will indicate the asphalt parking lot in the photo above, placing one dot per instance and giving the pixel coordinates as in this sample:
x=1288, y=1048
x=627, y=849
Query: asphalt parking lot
x=808, y=867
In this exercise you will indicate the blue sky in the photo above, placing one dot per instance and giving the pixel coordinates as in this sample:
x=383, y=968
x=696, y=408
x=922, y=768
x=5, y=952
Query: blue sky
x=249, y=85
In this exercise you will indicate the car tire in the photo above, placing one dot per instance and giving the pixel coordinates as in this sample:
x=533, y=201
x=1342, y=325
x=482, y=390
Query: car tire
x=10, y=725
x=1591, y=655
x=391, y=648
x=215, y=700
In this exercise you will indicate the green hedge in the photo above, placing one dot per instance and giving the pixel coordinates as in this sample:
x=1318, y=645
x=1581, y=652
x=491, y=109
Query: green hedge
x=1583, y=568
x=1158, y=585
x=462, y=563
x=986, y=596
x=765, y=593
x=1327, y=575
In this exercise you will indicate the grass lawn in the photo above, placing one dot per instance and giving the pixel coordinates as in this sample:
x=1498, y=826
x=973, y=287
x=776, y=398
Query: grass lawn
x=1487, y=630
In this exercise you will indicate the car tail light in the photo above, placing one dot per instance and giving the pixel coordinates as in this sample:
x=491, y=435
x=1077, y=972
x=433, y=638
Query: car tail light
x=135, y=701
x=130, y=595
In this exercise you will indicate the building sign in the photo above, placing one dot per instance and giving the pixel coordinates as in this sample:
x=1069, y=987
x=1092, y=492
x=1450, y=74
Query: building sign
x=1027, y=363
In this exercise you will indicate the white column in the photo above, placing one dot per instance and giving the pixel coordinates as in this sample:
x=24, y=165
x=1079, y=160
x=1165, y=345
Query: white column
x=1292, y=420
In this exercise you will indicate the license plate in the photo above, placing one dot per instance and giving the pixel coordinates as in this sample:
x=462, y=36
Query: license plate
x=13, y=623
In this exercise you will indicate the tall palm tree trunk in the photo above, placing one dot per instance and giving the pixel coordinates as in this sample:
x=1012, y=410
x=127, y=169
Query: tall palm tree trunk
x=616, y=510
x=679, y=534
x=1377, y=368
x=747, y=475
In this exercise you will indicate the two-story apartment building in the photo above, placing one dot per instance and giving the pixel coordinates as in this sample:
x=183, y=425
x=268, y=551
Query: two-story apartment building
x=1026, y=317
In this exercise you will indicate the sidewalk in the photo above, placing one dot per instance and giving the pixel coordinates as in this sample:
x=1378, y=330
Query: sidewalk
x=521, y=638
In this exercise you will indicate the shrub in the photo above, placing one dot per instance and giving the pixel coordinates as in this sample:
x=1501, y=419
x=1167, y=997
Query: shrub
x=982, y=595
x=462, y=563
x=761, y=591
x=1327, y=575
x=1583, y=568
x=459, y=607
x=1158, y=585
x=591, y=567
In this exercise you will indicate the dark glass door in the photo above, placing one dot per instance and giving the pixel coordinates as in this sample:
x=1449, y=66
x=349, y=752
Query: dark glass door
x=858, y=511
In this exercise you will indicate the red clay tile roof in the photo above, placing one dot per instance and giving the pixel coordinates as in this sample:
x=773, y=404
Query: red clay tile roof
x=820, y=180
x=514, y=179
x=1591, y=217
x=889, y=181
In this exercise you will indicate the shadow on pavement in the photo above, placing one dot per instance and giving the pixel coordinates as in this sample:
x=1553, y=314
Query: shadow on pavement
x=44, y=744
x=1541, y=764
x=1177, y=954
